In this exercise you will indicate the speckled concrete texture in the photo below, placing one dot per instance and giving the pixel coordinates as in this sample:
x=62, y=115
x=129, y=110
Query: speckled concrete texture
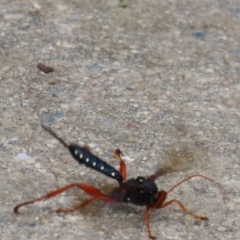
x=158, y=79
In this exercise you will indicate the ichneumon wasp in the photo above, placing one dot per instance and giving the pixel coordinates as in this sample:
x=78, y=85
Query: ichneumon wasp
x=141, y=191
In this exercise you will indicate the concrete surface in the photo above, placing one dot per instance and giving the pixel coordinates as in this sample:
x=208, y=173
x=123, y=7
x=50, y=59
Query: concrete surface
x=158, y=79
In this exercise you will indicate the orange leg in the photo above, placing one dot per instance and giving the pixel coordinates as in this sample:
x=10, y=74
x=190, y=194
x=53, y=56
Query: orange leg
x=86, y=188
x=117, y=154
x=147, y=221
x=183, y=208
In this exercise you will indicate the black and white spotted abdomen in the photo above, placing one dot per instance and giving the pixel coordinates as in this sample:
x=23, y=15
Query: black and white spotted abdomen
x=83, y=156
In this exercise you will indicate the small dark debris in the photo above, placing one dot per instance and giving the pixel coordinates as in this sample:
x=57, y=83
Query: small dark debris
x=32, y=225
x=129, y=88
x=200, y=35
x=95, y=68
x=44, y=68
x=15, y=143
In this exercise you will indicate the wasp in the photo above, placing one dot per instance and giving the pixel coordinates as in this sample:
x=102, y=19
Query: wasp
x=141, y=191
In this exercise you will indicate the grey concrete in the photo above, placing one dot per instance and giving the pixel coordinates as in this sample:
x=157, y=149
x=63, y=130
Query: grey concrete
x=158, y=79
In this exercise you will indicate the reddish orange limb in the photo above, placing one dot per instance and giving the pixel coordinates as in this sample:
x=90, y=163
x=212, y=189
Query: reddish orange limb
x=147, y=221
x=183, y=208
x=117, y=154
x=86, y=188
